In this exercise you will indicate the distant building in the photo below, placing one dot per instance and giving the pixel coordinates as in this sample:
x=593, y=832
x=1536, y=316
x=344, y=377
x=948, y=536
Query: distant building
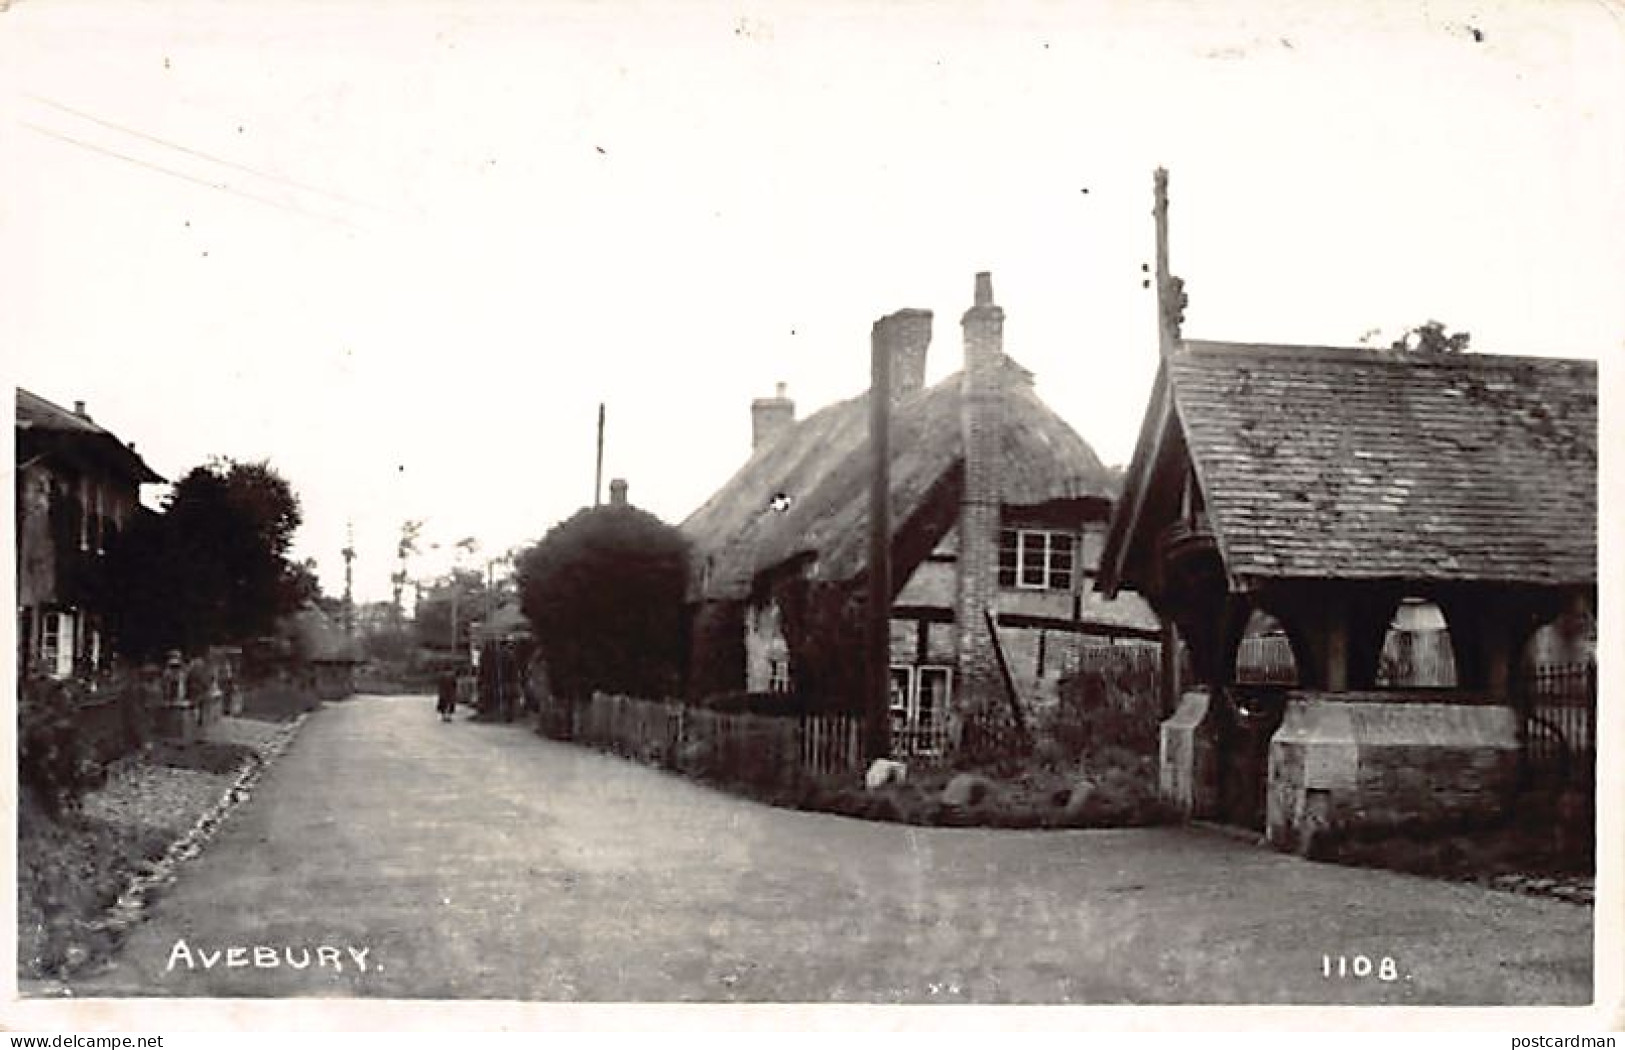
x=78, y=485
x=998, y=513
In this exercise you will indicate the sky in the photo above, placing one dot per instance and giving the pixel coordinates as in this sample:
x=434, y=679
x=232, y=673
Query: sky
x=404, y=250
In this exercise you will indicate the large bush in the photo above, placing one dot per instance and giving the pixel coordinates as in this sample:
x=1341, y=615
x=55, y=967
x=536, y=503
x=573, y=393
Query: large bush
x=212, y=569
x=604, y=594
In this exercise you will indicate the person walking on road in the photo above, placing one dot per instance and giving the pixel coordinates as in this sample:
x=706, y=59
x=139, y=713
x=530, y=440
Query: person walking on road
x=447, y=703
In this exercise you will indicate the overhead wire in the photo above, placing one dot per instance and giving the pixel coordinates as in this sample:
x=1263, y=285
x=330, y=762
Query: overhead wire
x=223, y=187
x=202, y=155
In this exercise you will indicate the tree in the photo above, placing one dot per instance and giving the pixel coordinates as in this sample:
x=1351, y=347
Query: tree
x=404, y=549
x=1429, y=338
x=463, y=594
x=213, y=568
x=604, y=594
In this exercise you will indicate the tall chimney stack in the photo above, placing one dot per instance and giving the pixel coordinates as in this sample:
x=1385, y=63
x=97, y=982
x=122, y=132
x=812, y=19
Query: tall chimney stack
x=904, y=337
x=981, y=423
x=617, y=492
x=770, y=417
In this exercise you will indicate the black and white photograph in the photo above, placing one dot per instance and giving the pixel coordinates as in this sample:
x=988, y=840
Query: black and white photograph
x=1071, y=507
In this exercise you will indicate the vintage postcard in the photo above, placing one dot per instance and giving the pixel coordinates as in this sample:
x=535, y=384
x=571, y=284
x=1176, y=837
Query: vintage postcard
x=538, y=511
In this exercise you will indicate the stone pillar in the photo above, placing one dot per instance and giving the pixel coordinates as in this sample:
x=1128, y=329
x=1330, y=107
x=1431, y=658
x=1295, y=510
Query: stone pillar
x=981, y=411
x=1188, y=759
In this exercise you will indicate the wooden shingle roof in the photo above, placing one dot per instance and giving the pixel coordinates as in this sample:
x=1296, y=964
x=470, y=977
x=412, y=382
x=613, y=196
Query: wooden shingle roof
x=822, y=466
x=1359, y=464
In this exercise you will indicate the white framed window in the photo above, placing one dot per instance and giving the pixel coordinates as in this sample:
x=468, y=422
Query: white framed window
x=1037, y=559
x=920, y=695
x=56, y=644
x=778, y=675
x=902, y=687
x=84, y=514
x=101, y=521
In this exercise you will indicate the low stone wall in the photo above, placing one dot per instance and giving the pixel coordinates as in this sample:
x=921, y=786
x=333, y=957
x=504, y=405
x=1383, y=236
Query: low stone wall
x=1341, y=763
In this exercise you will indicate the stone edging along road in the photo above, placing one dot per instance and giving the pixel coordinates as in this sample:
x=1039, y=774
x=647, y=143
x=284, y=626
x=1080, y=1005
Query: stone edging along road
x=130, y=908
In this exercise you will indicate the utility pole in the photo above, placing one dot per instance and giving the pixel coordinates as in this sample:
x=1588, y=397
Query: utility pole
x=1170, y=316
x=349, y=595
x=877, y=648
x=598, y=473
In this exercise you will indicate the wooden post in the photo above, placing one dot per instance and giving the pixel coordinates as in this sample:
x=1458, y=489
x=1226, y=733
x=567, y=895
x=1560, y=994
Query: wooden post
x=1171, y=685
x=877, y=707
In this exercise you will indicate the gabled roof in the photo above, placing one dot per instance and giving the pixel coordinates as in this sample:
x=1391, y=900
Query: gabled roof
x=822, y=466
x=1319, y=462
x=44, y=424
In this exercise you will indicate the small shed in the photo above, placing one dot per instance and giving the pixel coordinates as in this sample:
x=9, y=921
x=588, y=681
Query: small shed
x=1326, y=487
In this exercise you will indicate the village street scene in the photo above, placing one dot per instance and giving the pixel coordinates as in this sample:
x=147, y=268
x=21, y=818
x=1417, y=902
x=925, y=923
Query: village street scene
x=546, y=506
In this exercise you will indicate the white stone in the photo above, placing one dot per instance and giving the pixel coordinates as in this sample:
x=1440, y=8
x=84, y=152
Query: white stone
x=884, y=771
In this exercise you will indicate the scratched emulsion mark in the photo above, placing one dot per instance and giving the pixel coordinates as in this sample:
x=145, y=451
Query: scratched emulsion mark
x=267, y=957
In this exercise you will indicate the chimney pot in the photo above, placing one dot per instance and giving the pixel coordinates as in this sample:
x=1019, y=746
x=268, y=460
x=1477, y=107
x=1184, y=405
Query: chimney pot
x=79, y=409
x=984, y=289
x=617, y=492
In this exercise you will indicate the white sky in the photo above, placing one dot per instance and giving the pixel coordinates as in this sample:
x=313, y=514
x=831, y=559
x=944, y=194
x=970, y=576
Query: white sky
x=446, y=232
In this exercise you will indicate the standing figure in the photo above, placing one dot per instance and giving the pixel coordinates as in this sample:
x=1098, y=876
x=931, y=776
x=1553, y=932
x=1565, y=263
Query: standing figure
x=447, y=703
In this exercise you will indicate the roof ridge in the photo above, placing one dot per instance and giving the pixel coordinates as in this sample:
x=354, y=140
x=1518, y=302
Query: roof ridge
x=1373, y=355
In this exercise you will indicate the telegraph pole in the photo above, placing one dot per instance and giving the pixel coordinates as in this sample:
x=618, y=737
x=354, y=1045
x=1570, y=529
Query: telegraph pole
x=598, y=473
x=349, y=598
x=877, y=709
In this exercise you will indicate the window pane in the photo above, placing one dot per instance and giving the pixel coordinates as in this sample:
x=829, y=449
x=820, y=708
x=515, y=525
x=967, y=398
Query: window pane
x=1060, y=580
x=899, y=690
x=1032, y=573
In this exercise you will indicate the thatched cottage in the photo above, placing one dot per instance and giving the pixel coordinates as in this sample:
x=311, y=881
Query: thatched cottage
x=991, y=576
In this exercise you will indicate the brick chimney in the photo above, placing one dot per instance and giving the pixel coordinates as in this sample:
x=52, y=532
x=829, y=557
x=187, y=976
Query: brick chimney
x=617, y=492
x=770, y=417
x=979, y=686
x=79, y=410
x=905, y=336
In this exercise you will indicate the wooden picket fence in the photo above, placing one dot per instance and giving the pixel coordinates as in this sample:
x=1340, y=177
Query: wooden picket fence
x=761, y=749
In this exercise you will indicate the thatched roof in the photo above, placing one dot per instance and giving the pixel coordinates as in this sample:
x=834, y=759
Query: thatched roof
x=318, y=639
x=508, y=621
x=822, y=465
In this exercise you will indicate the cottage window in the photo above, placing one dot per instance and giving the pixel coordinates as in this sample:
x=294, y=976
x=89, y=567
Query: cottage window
x=84, y=514
x=778, y=675
x=1036, y=559
x=56, y=644
x=902, y=687
x=101, y=521
x=920, y=696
